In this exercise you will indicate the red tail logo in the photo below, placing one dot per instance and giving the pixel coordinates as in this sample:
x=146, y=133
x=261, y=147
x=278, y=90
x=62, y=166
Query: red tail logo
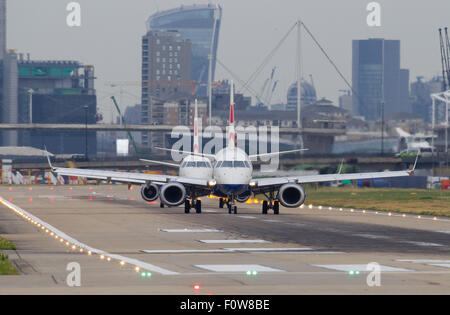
x=232, y=114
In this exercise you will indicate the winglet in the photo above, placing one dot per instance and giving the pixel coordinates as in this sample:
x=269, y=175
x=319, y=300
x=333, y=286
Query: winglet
x=48, y=158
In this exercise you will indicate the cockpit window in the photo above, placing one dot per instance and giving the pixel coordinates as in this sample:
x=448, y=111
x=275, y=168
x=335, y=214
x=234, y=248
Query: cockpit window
x=190, y=164
x=227, y=164
x=201, y=164
x=246, y=164
x=218, y=164
x=239, y=164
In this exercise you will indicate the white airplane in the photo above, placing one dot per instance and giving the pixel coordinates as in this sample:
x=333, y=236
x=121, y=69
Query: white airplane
x=192, y=166
x=234, y=182
x=232, y=179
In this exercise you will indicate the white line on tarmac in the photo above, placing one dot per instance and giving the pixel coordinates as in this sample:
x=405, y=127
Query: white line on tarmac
x=441, y=265
x=361, y=268
x=232, y=241
x=423, y=261
x=237, y=268
x=424, y=244
x=191, y=230
x=140, y=264
x=185, y=251
x=269, y=249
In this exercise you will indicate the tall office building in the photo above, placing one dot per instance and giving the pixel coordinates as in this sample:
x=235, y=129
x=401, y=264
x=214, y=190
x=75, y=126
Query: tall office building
x=377, y=78
x=199, y=24
x=166, y=75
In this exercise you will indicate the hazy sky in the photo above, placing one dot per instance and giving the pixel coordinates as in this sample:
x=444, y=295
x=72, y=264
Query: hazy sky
x=111, y=31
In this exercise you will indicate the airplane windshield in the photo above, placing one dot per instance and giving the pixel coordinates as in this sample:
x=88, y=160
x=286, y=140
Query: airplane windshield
x=201, y=164
x=239, y=164
x=227, y=164
x=236, y=164
x=190, y=164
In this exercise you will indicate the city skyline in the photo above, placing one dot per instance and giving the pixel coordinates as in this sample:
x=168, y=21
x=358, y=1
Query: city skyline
x=109, y=38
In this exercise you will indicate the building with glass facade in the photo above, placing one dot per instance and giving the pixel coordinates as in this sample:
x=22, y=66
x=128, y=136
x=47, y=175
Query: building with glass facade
x=377, y=78
x=198, y=24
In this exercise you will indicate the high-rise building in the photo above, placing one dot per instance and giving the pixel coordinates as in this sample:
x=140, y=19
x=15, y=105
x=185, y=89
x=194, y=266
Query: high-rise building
x=166, y=75
x=377, y=78
x=199, y=24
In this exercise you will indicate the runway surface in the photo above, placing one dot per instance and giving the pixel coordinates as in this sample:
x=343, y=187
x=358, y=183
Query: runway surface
x=313, y=250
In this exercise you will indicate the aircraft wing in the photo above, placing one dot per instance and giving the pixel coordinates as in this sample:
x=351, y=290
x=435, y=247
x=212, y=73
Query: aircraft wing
x=278, y=181
x=128, y=177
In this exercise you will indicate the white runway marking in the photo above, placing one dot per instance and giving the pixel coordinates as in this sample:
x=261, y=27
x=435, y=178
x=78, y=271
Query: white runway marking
x=441, y=265
x=272, y=221
x=238, y=268
x=446, y=232
x=424, y=261
x=347, y=268
x=268, y=249
x=371, y=236
x=62, y=235
x=191, y=230
x=424, y=244
x=246, y=217
x=185, y=251
x=232, y=241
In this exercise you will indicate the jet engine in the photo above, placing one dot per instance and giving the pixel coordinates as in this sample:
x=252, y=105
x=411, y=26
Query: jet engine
x=291, y=195
x=150, y=192
x=173, y=194
x=243, y=197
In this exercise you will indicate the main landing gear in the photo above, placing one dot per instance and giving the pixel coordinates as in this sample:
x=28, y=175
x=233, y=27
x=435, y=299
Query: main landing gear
x=196, y=204
x=275, y=205
x=271, y=204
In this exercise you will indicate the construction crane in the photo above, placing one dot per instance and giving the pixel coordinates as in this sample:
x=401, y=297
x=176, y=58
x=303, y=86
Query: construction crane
x=267, y=89
x=124, y=124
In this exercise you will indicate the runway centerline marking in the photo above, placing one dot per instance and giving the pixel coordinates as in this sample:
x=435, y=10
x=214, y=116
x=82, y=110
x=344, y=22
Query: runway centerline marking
x=232, y=241
x=358, y=267
x=440, y=265
x=423, y=261
x=191, y=231
x=238, y=268
x=424, y=244
x=185, y=251
x=270, y=249
x=246, y=217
